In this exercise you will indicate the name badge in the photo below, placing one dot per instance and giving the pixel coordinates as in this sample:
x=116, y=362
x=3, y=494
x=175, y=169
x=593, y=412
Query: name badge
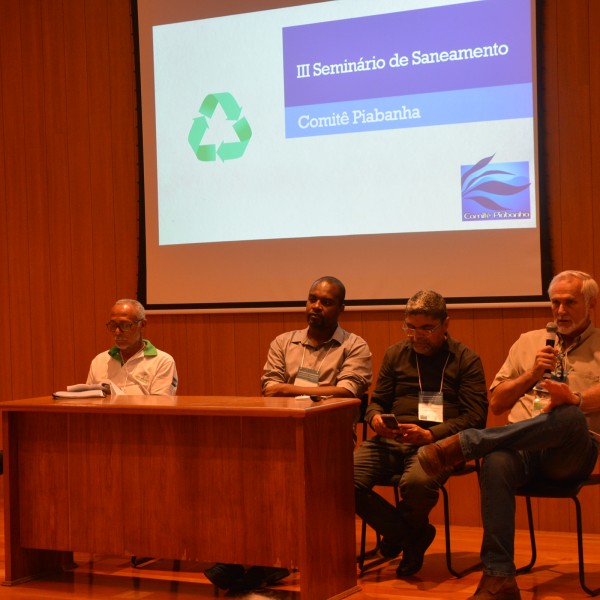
x=307, y=377
x=431, y=406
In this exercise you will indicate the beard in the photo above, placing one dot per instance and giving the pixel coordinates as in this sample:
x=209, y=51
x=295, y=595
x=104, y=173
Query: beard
x=573, y=327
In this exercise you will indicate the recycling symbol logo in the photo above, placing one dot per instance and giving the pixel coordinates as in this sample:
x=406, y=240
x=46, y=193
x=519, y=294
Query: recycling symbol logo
x=225, y=150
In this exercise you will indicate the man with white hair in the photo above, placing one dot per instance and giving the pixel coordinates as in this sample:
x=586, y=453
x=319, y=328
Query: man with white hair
x=555, y=445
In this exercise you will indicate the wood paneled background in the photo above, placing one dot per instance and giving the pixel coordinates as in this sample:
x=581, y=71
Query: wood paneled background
x=69, y=210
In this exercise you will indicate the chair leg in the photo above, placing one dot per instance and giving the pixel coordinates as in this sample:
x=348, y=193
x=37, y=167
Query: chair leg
x=453, y=571
x=580, y=550
x=363, y=543
x=364, y=566
x=580, y=554
x=529, y=566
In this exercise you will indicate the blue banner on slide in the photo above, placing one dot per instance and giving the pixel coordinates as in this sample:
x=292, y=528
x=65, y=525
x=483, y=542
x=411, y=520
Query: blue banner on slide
x=419, y=110
x=449, y=64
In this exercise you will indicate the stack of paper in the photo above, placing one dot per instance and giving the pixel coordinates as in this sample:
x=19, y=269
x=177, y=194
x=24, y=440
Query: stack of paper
x=82, y=390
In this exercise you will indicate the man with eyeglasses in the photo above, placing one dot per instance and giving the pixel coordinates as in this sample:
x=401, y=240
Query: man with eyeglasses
x=133, y=365
x=429, y=386
x=556, y=445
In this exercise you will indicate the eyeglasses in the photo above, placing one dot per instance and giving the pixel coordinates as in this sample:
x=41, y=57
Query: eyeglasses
x=124, y=326
x=412, y=331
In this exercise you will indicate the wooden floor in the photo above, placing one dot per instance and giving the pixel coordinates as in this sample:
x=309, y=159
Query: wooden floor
x=112, y=578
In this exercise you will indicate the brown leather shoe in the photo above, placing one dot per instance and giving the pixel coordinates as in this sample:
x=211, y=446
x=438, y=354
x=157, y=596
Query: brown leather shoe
x=441, y=456
x=496, y=588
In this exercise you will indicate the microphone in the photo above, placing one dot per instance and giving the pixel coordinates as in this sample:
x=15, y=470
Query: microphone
x=551, y=329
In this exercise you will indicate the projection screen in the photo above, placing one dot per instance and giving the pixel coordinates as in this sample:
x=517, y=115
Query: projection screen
x=390, y=143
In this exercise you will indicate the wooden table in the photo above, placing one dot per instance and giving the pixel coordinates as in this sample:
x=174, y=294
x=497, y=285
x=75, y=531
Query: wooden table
x=265, y=481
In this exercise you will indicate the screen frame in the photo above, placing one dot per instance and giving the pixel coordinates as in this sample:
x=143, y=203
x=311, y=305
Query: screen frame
x=352, y=303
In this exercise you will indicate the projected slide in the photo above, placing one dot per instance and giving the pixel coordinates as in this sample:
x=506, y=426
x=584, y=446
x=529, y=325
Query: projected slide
x=345, y=118
x=390, y=143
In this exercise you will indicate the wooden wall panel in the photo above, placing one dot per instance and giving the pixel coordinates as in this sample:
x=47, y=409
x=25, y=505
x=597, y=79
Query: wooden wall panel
x=222, y=352
x=69, y=216
x=196, y=376
x=56, y=171
x=79, y=161
x=40, y=314
x=246, y=356
x=101, y=266
x=270, y=325
x=376, y=332
x=594, y=74
x=575, y=140
x=18, y=235
x=352, y=321
x=548, y=124
x=5, y=366
x=124, y=153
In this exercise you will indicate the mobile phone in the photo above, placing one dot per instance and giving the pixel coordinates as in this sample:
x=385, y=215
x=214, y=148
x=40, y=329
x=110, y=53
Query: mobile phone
x=390, y=421
x=319, y=398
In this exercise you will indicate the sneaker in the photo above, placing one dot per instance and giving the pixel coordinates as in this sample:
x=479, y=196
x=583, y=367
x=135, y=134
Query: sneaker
x=224, y=576
x=138, y=561
x=258, y=577
x=496, y=588
x=389, y=547
x=412, y=558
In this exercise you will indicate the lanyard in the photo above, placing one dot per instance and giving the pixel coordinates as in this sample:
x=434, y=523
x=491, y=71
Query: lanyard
x=318, y=369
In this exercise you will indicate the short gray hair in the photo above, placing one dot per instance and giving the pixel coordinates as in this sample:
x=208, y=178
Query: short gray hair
x=427, y=302
x=140, y=311
x=589, y=287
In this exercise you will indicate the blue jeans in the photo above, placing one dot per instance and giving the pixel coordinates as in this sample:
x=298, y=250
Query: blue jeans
x=555, y=446
x=379, y=461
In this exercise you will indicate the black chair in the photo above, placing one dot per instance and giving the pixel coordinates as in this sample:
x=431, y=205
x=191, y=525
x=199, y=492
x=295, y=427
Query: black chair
x=364, y=565
x=373, y=554
x=547, y=489
x=359, y=419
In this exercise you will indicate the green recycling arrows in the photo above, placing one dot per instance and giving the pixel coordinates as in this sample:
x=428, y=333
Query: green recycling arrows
x=226, y=150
